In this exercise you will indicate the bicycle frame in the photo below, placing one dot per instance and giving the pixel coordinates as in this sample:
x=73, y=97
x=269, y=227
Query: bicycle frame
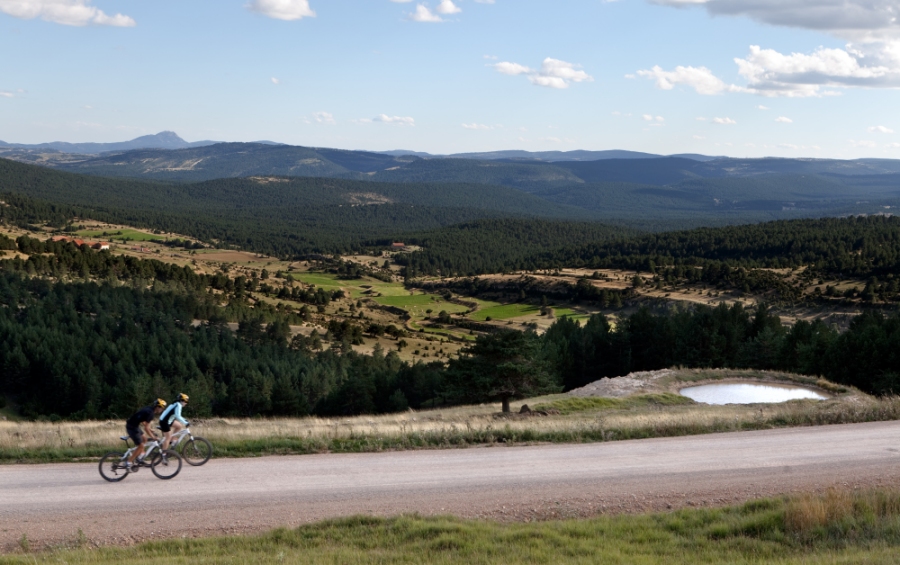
x=149, y=448
x=176, y=438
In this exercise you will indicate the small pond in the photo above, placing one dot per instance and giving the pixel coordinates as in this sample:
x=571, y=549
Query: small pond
x=748, y=393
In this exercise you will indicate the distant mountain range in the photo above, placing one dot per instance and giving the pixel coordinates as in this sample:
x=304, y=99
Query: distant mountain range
x=642, y=189
x=549, y=156
x=408, y=193
x=231, y=160
x=162, y=140
x=171, y=140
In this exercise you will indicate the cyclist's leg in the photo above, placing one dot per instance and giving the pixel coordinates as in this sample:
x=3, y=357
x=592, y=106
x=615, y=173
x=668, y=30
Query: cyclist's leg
x=137, y=436
x=167, y=434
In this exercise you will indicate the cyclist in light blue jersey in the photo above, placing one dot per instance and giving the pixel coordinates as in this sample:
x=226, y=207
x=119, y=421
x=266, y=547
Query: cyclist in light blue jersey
x=171, y=421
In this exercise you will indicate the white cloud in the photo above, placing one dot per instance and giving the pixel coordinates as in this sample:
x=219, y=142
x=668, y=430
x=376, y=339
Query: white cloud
x=700, y=79
x=6, y=94
x=66, y=12
x=865, y=143
x=798, y=75
x=287, y=10
x=784, y=120
x=477, y=126
x=651, y=118
x=699, y=137
x=324, y=118
x=424, y=15
x=870, y=60
x=275, y=80
x=880, y=129
x=489, y=57
x=761, y=107
x=399, y=120
x=507, y=68
x=894, y=145
x=724, y=121
x=553, y=73
x=448, y=7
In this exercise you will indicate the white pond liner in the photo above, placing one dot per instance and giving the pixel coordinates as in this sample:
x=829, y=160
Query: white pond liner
x=748, y=393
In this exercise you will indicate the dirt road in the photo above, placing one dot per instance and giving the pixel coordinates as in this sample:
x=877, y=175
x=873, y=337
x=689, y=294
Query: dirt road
x=50, y=503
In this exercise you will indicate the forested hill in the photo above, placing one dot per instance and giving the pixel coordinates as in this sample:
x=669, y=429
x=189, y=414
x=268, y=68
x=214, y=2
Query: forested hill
x=653, y=193
x=278, y=216
x=498, y=245
x=231, y=160
x=856, y=246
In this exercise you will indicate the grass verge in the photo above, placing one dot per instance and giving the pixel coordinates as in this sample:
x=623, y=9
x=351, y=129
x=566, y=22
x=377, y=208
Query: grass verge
x=572, y=404
x=586, y=420
x=837, y=527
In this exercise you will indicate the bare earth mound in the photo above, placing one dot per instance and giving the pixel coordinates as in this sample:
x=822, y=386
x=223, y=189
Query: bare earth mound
x=617, y=387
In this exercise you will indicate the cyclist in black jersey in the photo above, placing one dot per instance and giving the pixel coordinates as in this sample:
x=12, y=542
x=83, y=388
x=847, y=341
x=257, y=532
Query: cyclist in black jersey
x=142, y=419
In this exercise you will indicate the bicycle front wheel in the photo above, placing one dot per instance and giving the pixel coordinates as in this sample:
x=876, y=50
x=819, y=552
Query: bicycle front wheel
x=166, y=467
x=196, y=451
x=112, y=468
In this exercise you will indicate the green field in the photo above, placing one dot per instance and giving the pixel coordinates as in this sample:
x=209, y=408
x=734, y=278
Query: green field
x=504, y=312
x=359, y=288
x=127, y=234
x=569, y=313
x=838, y=527
x=325, y=280
x=418, y=304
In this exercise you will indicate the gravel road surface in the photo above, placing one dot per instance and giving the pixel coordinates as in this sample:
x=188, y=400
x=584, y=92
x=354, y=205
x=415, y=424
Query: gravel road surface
x=50, y=503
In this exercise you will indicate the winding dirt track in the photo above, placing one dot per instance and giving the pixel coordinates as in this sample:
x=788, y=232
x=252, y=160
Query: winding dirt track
x=50, y=503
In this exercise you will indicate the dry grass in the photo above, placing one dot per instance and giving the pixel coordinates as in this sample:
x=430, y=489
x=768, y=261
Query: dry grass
x=841, y=514
x=445, y=428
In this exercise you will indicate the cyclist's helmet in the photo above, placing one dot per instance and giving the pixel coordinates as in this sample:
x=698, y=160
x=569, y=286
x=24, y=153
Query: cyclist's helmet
x=182, y=398
x=160, y=403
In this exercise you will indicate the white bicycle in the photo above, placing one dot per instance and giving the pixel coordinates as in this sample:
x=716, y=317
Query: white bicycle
x=165, y=465
x=195, y=451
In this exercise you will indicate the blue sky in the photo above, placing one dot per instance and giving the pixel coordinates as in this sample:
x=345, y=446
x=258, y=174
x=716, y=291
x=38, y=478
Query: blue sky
x=811, y=78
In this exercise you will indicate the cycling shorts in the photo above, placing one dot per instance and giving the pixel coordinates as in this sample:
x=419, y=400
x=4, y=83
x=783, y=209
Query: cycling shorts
x=136, y=435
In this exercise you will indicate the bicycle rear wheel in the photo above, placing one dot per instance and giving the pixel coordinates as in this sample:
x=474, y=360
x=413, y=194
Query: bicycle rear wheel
x=166, y=468
x=112, y=468
x=196, y=451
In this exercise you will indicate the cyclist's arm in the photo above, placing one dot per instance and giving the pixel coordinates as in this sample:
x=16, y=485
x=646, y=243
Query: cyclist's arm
x=178, y=415
x=147, y=430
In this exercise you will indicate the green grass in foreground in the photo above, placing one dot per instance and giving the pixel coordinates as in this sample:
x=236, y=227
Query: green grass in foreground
x=839, y=527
